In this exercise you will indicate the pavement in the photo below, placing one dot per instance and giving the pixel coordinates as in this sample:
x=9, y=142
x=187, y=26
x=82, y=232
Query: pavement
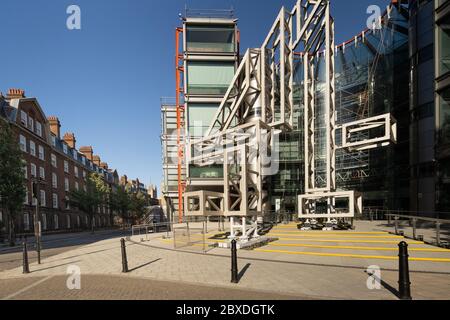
x=124, y=288
x=313, y=265
x=11, y=257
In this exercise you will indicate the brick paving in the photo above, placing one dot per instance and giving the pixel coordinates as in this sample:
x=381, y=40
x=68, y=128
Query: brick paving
x=277, y=273
x=95, y=287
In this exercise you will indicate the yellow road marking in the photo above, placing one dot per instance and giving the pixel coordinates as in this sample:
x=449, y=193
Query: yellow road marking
x=330, y=236
x=355, y=247
x=349, y=241
x=355, y=256
x=329, y=232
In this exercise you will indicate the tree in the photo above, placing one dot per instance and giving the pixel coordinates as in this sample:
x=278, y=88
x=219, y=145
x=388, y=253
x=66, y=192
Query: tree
x=120, y=201
x=138, y=205
x=12, y=180
x=89, y=201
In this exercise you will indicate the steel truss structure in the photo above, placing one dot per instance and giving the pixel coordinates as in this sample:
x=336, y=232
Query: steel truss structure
x=260, y=97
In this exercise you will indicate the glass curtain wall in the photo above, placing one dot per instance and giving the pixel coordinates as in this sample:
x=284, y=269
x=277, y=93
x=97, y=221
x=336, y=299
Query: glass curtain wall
x=371, y=79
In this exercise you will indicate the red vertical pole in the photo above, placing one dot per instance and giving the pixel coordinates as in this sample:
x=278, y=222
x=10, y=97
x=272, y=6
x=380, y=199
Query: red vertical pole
x=179, y=69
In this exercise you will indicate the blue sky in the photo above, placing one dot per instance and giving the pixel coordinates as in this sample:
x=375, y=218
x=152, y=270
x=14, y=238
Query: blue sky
x=105, y=81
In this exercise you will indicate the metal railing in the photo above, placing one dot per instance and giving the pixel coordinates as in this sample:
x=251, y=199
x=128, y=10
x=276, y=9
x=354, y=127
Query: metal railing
x=413, y=220
x=152, y=228
x=209, y=13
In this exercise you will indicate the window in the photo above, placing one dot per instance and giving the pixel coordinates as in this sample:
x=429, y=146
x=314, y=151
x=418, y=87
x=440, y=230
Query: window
x=67, y=202
x=1, y=216
x=86, y=220
x=84, y=174
x=44, y=221
x=32, y=148
x=77, y=186
x=75, y=170
x=65, y=148
x=33, y=170
x=23, y=143
x=68, y=222
x=25, y=171
x=42, y=173
x=54, y=162
x=200, y=117
x=53, y=141
x=26, y=221
x=83, y=161
x=66, y=185
x=210, y=38
x=41, y=153
x=84, y=188
x=209, y=77
x=55, y=201
x=78, y=221
x=66, y=166
x=75, y=154
x=31, y=123
x=23, y=118
x=444, y=46
x=38, y=128
x=25, y=201
x=56, y=221
x=43, y=199
x=54, y=181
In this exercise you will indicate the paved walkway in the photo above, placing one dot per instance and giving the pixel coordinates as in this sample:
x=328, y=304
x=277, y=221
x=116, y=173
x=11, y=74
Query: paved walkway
x=296, y=265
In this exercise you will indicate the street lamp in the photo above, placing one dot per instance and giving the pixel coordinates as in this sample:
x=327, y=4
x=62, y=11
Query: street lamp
x=36, y=183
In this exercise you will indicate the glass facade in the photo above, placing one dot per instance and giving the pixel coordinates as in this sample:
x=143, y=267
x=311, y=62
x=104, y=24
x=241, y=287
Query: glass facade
x=209, y=78
x=442, y=45
x=210, y=38
x=372, y=76
x=213, y=54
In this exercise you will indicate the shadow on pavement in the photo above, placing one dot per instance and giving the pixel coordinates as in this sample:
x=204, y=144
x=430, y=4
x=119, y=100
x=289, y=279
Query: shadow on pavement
x=144, y=265
x=243, y=271
x=53, y=267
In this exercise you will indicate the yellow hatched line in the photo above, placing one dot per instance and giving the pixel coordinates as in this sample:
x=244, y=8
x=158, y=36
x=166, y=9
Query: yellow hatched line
x=349, y=241
x=355, y=256
x=331, y=236
x=355, y=247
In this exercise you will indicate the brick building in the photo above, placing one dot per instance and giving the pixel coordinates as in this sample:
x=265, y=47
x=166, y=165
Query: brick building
x=54, y=160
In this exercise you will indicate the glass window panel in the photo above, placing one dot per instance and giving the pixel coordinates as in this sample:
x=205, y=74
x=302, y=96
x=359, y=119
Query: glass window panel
x=210, y=39
x=200, y=117
x=209, y=77
x=444, y=38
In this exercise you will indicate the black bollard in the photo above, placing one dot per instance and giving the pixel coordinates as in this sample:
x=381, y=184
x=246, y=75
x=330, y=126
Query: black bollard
x=124, y=256
x=26, y=265
x=404, y=282
x=234, y=266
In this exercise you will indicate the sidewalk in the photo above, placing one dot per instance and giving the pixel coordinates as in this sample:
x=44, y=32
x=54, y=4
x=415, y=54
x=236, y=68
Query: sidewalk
x=314, y=277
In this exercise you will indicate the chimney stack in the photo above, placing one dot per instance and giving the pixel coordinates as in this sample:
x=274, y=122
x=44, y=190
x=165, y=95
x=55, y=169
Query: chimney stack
x=104, y=165
x=88, y=152
x=16, y=93
x=97, y=161
x=69, y=138
x=55, y=126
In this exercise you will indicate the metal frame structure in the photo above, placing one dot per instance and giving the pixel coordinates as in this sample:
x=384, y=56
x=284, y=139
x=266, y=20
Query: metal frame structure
x=260, y=96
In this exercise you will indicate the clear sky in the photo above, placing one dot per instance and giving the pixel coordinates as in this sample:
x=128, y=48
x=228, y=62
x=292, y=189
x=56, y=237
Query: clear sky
x=104, y=82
